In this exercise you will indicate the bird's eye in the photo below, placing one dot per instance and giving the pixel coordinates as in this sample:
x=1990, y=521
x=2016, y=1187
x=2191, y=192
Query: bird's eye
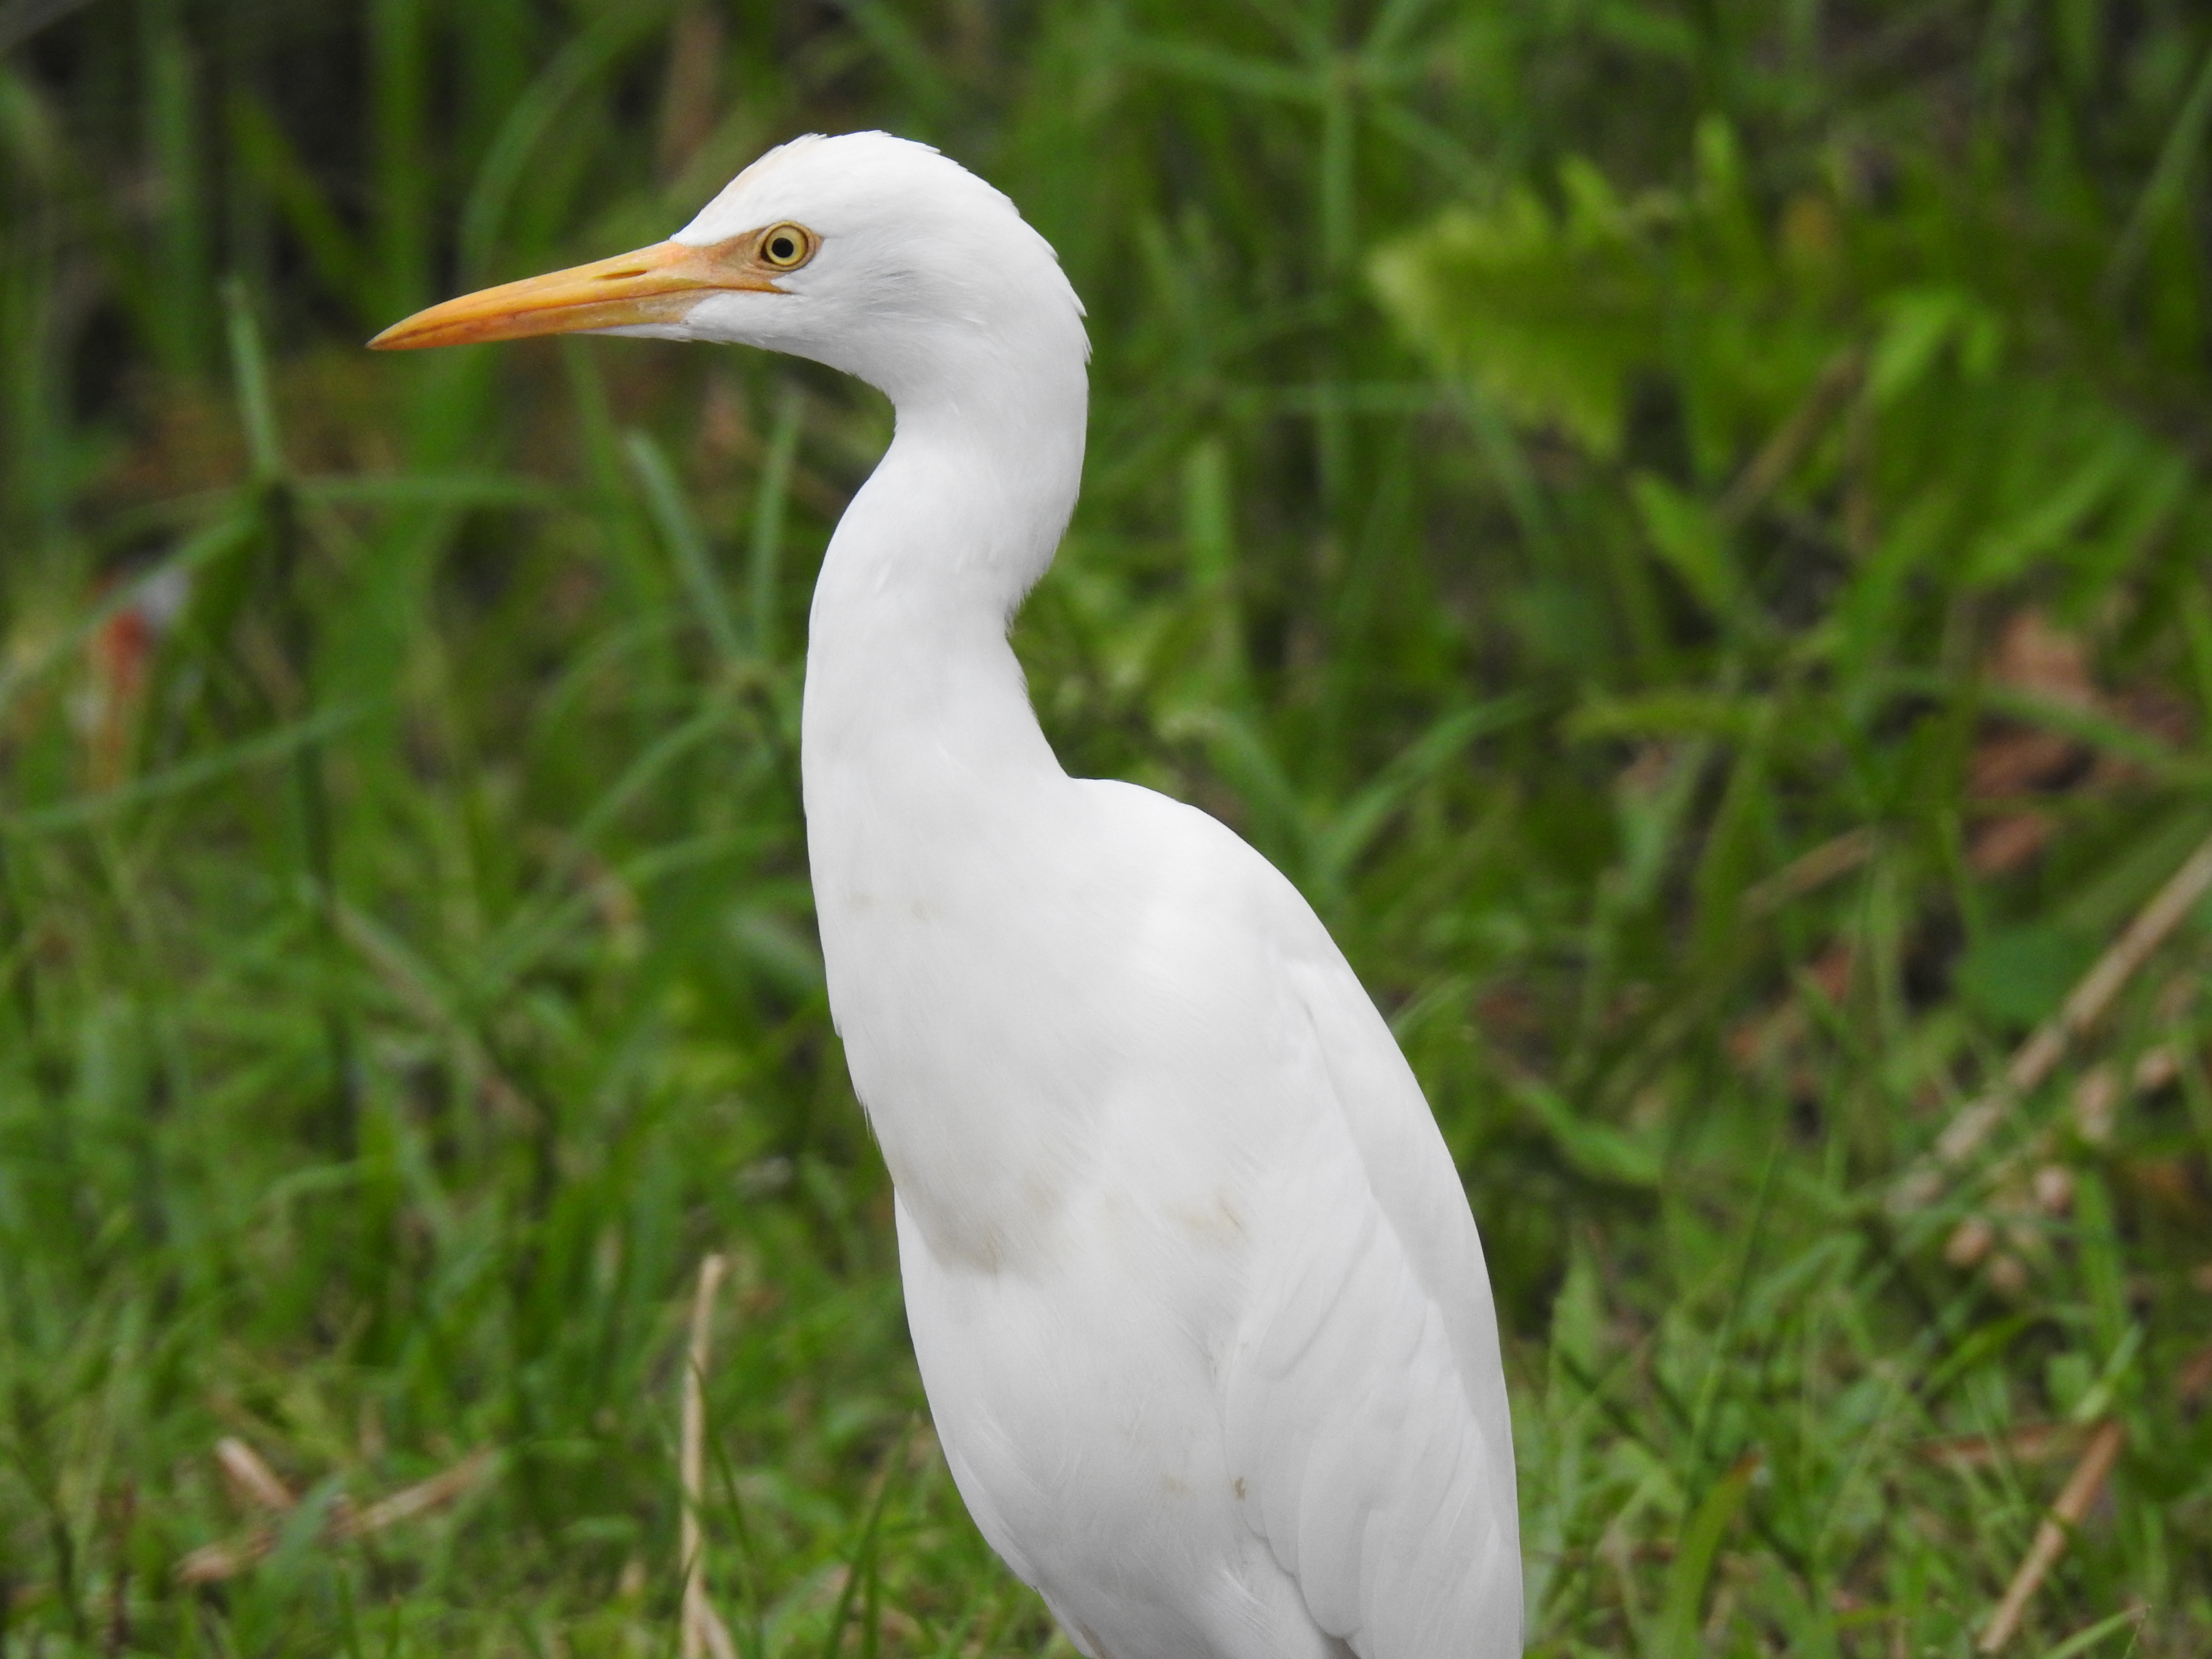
x=787, y=247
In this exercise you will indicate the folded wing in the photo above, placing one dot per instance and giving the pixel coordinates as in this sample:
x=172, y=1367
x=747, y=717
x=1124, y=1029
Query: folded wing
x=1365, y=1405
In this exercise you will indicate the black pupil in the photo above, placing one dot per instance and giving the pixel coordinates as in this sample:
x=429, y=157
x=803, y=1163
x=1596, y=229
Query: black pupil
x=781, y=247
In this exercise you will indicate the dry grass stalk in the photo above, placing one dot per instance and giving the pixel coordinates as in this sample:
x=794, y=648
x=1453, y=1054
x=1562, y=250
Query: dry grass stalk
x=2074, y=1504
x=1810, y=872
x=254, y=1482
x=211, y=1564
x=2027, y=1188
x=420, y=1498
x=2031, y=1442
x=704, y=1635
x=2195, y=1381
x=2085, y=1004
x=258, y=1485
x=688, y=109
x=1779, y=457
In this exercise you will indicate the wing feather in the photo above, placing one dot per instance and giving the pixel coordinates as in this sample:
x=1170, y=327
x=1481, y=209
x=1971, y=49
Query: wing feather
x=1365, y=1406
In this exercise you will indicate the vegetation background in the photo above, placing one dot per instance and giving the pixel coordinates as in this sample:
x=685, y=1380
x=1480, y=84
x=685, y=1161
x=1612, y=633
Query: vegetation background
x=1681, y=524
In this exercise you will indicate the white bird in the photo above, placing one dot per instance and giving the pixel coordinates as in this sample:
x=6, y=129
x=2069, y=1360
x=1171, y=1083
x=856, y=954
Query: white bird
x=1198, y=1301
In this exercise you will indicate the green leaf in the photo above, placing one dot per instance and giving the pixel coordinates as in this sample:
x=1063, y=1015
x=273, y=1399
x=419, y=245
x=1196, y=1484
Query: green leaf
x=1670, y=713
x=1549, y=318
x=2020, y=974
x=430, y=488
x=1593, y=1149
x=1690, y=538
x=1676, y=1635
x=680, y=534
x=2083, y=1640
x=1920, y=325
x=1361, y=818
x=185, y=776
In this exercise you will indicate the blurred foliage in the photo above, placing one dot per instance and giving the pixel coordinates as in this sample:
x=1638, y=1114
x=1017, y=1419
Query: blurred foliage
x=1681, y=526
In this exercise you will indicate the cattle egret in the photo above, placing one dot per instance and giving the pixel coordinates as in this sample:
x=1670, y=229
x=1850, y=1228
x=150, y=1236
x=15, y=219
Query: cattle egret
x=1198, y=1301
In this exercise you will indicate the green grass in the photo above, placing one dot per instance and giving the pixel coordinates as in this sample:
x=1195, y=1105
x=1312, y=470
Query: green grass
x=1631, y=505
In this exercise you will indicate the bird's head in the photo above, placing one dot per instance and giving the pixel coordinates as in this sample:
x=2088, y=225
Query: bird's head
x=872, y=254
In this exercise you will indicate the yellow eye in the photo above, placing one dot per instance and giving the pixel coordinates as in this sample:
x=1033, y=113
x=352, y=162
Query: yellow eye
x=787, y=247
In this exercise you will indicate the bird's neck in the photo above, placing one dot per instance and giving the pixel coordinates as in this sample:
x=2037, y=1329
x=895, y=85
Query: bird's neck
x=936, y=813
x=910, y=681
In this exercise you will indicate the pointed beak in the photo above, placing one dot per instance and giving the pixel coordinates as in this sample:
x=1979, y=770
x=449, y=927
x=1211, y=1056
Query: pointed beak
x=656, y=284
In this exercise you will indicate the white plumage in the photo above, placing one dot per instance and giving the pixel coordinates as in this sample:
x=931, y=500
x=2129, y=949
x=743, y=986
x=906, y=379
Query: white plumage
x=1197, y=1298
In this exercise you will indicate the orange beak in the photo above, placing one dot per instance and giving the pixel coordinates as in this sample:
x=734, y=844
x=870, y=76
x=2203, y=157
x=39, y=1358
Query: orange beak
x=656, y=284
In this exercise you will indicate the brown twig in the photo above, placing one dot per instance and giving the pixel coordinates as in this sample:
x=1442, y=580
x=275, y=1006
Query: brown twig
x=2031, y=1442
x=211, y=1564
x=2035, y=1060
x=1810, y=871
x=703, y=1632
x=125, y=1512
x=2194, y=1381
x=408, y=1501
x=690, y=105
x=1793, y=438
x=2074, y=1504
x=255, y=1481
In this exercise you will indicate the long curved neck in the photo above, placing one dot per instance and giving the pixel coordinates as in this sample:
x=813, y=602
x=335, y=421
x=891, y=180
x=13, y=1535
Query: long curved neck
x=908, y=673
